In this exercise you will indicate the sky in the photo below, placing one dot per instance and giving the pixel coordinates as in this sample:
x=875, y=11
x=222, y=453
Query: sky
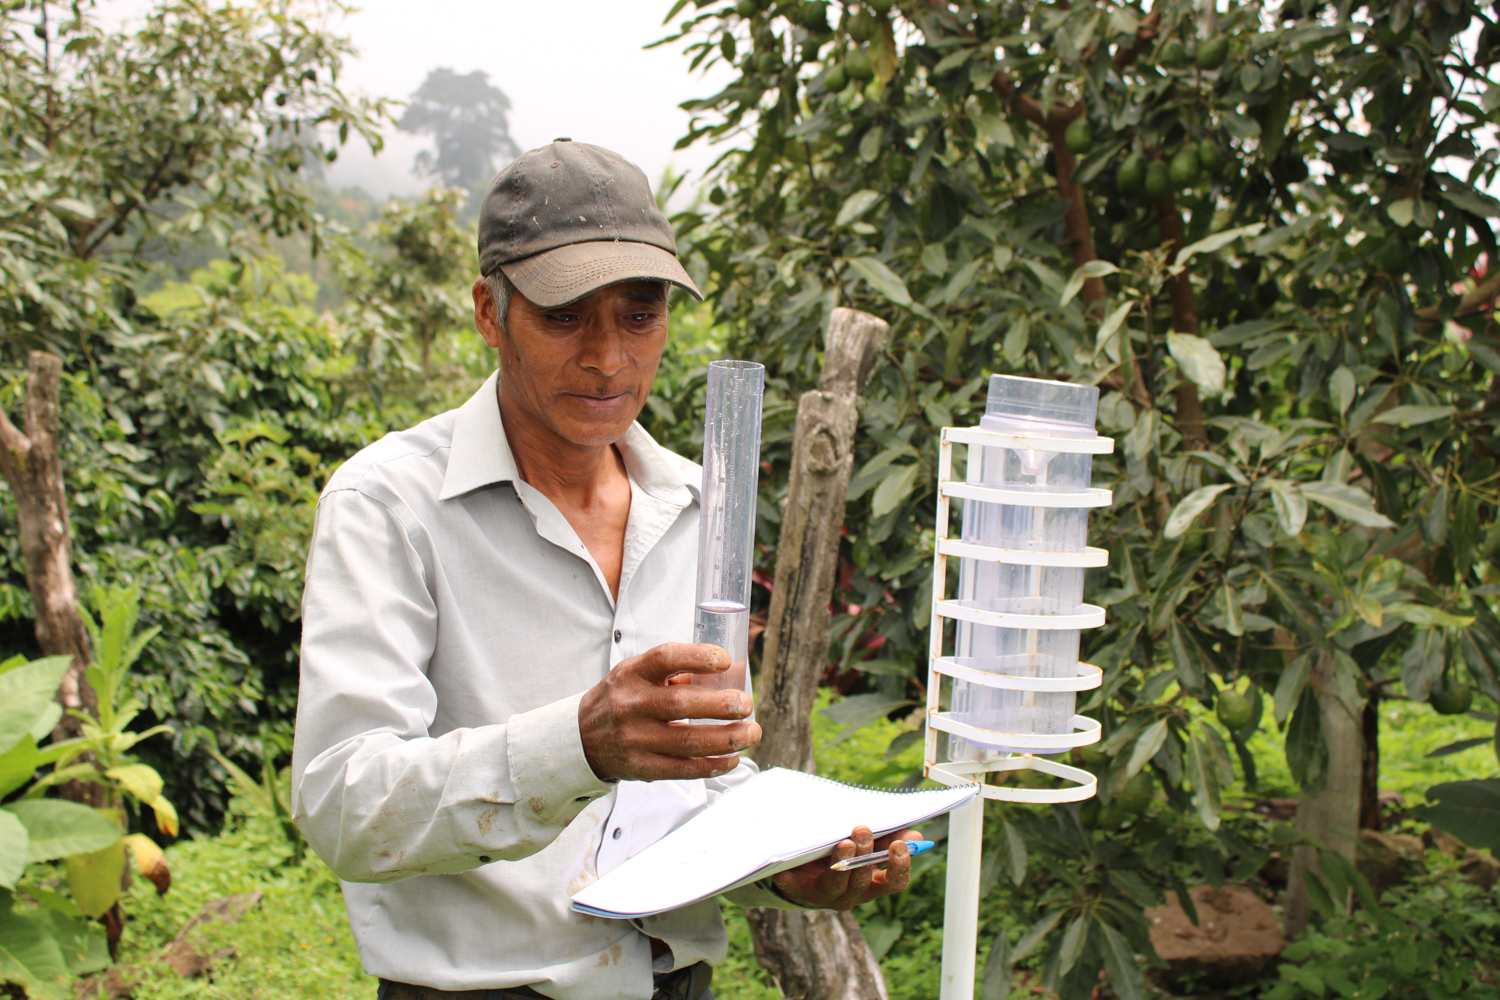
x=572, y=68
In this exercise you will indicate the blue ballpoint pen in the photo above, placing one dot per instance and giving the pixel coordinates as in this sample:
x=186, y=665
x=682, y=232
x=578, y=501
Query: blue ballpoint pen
x=914, y=846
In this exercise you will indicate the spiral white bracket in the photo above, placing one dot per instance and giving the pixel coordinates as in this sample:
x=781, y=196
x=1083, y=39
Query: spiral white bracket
x=965, y=825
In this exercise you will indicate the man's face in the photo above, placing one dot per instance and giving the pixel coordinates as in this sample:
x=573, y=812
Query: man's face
x=581, y=370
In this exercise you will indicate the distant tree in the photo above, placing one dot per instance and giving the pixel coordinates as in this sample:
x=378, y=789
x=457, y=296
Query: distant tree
x=468, y=117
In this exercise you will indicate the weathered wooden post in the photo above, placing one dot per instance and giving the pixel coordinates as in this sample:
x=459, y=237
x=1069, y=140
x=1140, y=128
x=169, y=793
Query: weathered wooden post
x=814, y=955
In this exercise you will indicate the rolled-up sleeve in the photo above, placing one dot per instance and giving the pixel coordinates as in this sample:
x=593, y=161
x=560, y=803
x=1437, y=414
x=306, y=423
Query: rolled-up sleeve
x=378, y=798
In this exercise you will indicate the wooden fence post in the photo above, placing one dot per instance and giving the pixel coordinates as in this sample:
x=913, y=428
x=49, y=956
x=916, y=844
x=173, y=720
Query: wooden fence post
x=818, y=954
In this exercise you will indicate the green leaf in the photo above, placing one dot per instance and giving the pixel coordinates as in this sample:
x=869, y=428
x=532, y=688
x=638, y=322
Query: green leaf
x=25, y=694
x=1341, y=389
x=13, y=841
x=94, y=878
x=1306, y=749
x=1093, y=269
x=882, y=279
x=1470, y=810
x=1071, y=949
x=894, y=488
x=1013, y=850
x=1347, y=502
x=1112, y=324
x=1289, y=688
x=1146, y=747
x=1190, y=507
x=1290, y=504
x=855, y=205
x=58, y=828
x=998, y=968
x=30, y=956
x=18, y=765
x=1217, y=241
x=1401, y=211
x=1120, y=964
x=1411, y=416
x=1198, y=360
x=1034, y=936
x=858, y=711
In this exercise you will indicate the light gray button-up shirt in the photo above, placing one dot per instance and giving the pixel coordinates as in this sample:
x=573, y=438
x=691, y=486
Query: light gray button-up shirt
x=452, y=620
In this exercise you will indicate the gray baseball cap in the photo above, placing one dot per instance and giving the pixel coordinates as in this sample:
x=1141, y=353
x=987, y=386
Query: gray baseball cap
x=569, y=218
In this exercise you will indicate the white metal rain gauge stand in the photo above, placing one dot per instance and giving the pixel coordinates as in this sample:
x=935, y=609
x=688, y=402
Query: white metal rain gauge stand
x=1014, y=670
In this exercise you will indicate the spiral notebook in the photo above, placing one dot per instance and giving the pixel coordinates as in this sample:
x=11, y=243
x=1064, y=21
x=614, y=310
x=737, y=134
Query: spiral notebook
x=776, y=820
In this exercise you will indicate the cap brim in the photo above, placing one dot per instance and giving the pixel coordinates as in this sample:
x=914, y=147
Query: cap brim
x=568, y=273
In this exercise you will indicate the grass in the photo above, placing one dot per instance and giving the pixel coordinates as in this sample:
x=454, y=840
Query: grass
x=297, y=943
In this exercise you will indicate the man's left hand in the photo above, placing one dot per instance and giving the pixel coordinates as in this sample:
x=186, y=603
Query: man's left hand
x=813, y=884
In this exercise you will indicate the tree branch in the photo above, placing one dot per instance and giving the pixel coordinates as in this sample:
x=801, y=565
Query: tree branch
x=1145, y=34
x=1482, y=295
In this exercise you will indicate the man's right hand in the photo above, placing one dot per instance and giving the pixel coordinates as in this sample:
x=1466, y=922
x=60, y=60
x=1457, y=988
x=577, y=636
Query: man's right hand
x=629, y=720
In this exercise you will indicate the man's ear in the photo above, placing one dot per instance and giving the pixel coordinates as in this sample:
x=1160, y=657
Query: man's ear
x=485, y=318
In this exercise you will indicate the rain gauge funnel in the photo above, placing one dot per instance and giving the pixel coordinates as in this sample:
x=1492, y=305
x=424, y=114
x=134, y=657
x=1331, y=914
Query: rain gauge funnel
x=726, y=529
x=1013, y=675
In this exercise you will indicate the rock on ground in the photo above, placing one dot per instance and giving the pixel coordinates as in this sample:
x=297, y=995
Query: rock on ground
x=1236, y=941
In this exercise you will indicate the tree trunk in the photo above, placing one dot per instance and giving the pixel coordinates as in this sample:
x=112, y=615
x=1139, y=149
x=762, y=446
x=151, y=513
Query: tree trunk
x=1330, y=816
x=32, y=465
x=814, y=954
x=1370, y=816
x=1184, y=320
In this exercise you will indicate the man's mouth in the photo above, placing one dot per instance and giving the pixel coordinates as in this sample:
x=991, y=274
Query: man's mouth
x=600, y=401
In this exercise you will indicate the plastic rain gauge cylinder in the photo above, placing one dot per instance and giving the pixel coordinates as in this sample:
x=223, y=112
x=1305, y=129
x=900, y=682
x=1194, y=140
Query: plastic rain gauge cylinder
x=1031, y=408
x=1014, y=671
x=726, y=530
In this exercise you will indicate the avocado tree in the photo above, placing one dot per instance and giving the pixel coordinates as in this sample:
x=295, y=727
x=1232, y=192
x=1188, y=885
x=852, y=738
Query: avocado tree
x=121, y=147
x=1263, y=233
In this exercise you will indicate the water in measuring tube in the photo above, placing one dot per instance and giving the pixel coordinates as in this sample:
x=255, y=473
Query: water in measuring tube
x=725, y=624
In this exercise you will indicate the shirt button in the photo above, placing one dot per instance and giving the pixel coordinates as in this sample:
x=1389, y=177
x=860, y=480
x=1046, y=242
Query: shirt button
x=484, y=858
x=618, y=635
x=616, y=834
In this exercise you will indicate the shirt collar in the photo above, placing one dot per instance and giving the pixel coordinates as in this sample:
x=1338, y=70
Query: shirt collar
x=480, y=455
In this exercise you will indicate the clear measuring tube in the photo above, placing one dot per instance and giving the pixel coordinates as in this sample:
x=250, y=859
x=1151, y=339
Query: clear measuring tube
x=726, y=530
x=1035, y=408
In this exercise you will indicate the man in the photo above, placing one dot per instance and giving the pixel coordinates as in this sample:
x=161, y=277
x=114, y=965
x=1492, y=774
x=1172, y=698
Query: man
x=491, y=678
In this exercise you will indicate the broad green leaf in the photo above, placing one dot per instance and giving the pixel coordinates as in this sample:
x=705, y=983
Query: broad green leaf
x=81, y=941
x=1034, y=936
x=858, y=711
x=1217, y=241
x=996, y=981
x=1074, y=938
x=1198, y=360
x=58, y=828
x=935, y=259
x=1424, y=614
x=13, y=841
x=1120, y=964
x=1411, y=416
x=139, y=780
x=1341, y=389
x=1146, y=747
x=18, y=765
x=894, y=488
x=1289, y=688
x=1112, y=324
x=29, y=955
x=1470, y=810
x=94, y=878
x=1290, y=504
x=1190, y=507
x=1401, y=211
x=1093, y=269
x=1013, y=850
x=1306, y=748
x=855, y=205
x=882, y=279
x=25, y=694
x=1347, y=502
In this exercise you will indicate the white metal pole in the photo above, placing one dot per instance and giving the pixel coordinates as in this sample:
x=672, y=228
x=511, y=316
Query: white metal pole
x=965, y=849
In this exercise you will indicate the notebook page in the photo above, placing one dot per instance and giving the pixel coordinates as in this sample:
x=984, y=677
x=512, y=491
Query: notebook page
x=776, y=817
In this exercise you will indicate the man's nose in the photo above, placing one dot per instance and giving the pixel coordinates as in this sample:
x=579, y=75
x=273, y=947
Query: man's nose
x=603, y=347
